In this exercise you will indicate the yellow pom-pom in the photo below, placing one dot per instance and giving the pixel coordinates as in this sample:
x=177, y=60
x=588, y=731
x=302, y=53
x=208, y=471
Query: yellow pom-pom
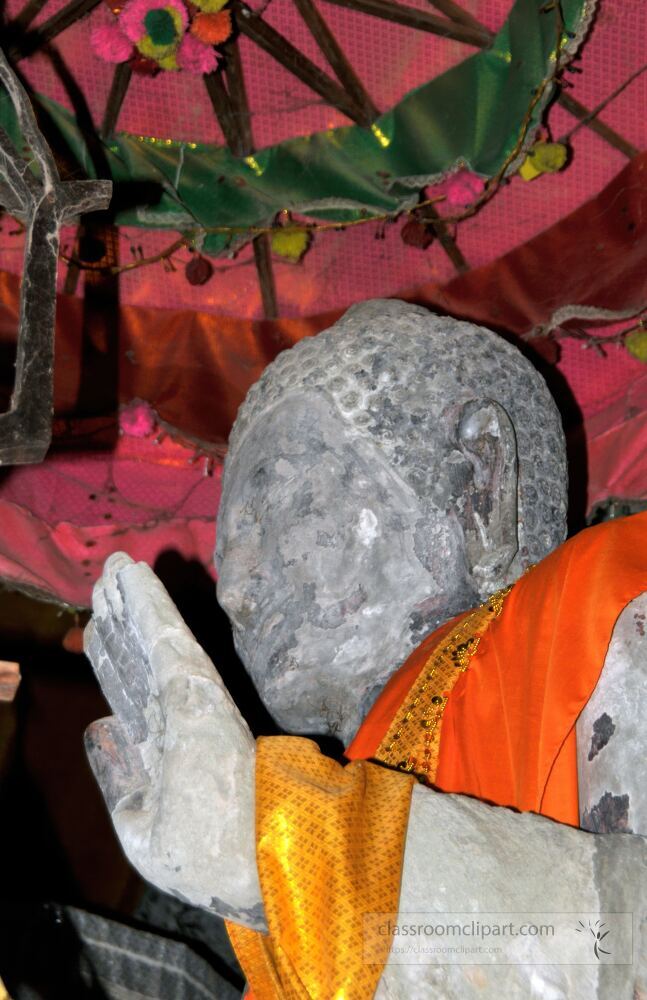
x=156, y=52
x=210, y=6
x=549, y=157
x=527, y=170
x=543, y=158
x=290, y=242
x=636, y=344
x=169, y=62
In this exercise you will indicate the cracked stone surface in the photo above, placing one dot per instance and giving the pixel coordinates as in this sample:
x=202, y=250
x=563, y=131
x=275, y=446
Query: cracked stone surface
x=381, y=477
x=612, y=788
x=603, y=730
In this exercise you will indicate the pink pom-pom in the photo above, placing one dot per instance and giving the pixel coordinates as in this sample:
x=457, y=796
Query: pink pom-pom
x=110, y=44
x=134, y=12
x=463, y=188
x=137, y=419
x=196, y=57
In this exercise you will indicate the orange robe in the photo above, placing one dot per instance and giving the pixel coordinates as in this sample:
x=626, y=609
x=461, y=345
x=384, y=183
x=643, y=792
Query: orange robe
x=507, y=734
x=486, y=706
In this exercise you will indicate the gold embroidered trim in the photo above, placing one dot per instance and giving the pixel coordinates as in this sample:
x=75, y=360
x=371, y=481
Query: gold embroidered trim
x=412, y=742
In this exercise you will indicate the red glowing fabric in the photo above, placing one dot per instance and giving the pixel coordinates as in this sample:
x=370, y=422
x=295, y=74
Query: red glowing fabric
x=194, y=369
x=60, y=520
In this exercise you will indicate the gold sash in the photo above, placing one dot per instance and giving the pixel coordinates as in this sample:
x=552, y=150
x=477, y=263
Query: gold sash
x=330, y=842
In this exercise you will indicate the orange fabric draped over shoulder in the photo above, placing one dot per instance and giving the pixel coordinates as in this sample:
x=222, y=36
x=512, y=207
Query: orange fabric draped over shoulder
x=508, y=728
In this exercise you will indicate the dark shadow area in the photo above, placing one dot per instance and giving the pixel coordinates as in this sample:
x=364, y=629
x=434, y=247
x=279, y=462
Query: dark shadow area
x=59, y=833
x=573, y=423
x=45, y=853
x=194, y=593
x=56, y=837
x=41, y=955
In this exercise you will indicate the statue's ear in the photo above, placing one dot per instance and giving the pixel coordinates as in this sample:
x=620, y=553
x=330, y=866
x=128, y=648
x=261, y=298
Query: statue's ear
x=486, y=438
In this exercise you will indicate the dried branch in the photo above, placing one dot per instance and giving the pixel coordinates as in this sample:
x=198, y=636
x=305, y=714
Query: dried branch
x=342, y=68
x=238, y=95
x=50, y=29
x=591, y=121
x=430, y=216
x=413, y=17
x=263, y=261
x=232, y=109
x=457, y=13
x=43, y=203
x=219, y=97
x=22, y=21
x=597, y=343
x=294, y=61
x=118, y=90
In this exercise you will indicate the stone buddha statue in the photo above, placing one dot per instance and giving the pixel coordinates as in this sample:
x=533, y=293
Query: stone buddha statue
x=382, y=478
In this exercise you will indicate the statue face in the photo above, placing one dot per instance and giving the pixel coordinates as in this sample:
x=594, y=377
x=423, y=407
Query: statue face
x=382, y=477
x=329, y=569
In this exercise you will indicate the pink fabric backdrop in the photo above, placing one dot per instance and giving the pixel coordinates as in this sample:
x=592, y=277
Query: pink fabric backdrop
x=60, y=520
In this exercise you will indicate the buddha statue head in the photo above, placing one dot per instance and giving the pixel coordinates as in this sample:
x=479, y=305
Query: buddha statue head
x=381, y=477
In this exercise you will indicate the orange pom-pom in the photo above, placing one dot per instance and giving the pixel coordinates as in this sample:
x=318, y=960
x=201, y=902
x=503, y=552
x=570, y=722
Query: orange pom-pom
x=212, y=29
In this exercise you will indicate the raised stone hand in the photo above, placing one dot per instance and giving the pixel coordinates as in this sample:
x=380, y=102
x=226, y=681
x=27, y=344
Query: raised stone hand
x=175, y=762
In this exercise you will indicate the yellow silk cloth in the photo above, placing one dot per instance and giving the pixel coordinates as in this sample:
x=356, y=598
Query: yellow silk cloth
x=330, y=842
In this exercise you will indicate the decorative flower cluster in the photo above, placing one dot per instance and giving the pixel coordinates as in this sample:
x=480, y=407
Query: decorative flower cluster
x=163, y=34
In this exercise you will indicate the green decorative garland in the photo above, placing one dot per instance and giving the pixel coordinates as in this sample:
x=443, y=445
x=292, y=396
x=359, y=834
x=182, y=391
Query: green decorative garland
x=471, y=115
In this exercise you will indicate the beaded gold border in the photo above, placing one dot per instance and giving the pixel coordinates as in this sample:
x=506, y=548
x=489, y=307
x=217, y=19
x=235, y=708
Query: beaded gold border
x=412, y=742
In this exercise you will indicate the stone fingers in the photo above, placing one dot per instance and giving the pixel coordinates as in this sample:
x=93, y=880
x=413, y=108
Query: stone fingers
x=131, y=798
x=166, y=642
x=116, y=693
x=114, y=651
x=116, y=763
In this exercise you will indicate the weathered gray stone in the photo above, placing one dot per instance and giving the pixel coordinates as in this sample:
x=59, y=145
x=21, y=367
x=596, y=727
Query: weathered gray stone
x=381, y=477
x=612, y=787
x=176, y=765
x=398, y=375
x=375, y=486
x=465, y=857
